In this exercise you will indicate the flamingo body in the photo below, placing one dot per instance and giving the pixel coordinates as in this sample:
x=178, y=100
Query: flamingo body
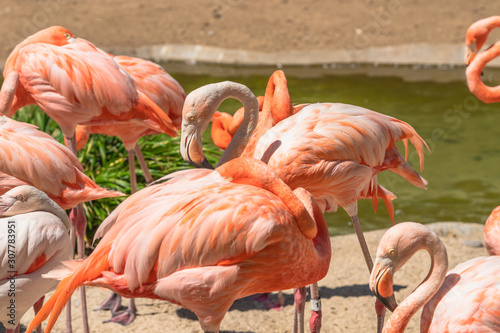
x=335, y=151
x=206, y=239
x=41, y=243
x=160, y=86
x=468, y=299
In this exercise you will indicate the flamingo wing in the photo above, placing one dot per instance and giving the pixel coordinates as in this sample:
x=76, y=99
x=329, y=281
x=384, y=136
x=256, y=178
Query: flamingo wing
x=160, y=86
x=74, y=82
x=33, y=157
x=201, y=223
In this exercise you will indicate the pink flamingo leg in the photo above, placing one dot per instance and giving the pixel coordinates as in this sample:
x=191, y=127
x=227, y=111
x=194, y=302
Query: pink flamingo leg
x=36, y=307
x=113, y=302
x=79, y=224
x=379, y=308
x=315, y=320
x=142, y=163
x=300, y=304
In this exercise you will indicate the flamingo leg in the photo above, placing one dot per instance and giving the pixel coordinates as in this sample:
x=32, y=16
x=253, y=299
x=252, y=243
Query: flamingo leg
x=142, y=163
x=78, y=225
x=113, y=302
x=379, y=308
x=131, y=169
x=300, y=304
x=315, y=320
x=36, y=307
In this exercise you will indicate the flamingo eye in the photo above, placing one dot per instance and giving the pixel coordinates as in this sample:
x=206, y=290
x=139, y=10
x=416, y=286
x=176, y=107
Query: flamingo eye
x=191, y=118
x=67, y=35
x=19, y=198
x=391, y=252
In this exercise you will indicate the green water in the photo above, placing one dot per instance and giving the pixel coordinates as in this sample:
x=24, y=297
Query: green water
x=462, y=132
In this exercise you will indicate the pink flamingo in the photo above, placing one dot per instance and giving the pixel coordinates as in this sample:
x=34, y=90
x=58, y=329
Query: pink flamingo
x=74, y=83
x=464, y=300
x=168, y=94
x=163, y=90
x=34, y=238
x=32, y=157
x=213, y=237
x=477, y=34
x=492, y=232
x=335, y=151
x=474, y=70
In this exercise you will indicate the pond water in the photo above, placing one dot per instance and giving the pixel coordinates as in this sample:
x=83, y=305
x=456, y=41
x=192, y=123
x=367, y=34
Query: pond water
x=462, y=132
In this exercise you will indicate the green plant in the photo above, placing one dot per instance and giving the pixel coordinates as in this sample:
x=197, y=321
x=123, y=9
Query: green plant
x=104, y=159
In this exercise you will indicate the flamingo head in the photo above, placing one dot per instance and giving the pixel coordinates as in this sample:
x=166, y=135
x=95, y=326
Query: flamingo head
x=21, y=199
x=476, y=36
x=194, y=122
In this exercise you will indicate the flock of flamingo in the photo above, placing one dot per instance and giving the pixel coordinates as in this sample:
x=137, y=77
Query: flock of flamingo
x=204, y=237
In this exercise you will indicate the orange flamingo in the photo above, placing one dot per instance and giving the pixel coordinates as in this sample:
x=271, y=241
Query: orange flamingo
x=477, y=34
x=37, y=230
x=213, y=237
x=335, y=151
x=224, y=125
x=464, y=300
x=474, y=70
x=492, y=232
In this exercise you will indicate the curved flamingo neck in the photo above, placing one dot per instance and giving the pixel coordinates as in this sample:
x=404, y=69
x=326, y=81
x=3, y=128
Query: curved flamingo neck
x=250, y=118
x=399, y=319
x=476, y=86
x=254, y=172
x=277, y=106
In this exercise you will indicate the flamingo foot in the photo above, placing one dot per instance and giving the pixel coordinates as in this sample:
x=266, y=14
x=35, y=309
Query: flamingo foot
x=113, y=303
x=125, y=317
x=264, y=298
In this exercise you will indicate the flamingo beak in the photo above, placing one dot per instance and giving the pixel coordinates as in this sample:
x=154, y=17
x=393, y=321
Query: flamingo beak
x=6, y=201
x=191, y=151
x=470, y=53
x=381, y=285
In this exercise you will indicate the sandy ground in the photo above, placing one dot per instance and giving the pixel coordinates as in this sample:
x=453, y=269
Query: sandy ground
x=348, y=305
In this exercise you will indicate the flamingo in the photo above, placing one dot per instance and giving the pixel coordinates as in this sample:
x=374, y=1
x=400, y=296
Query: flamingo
x=477, y=34
x=212, y=236
x=335, y=151
x=34, y=238
x=32, y=157
x=464, y=300
x=163, y=90
x=168, y=94
x=473, y=73
x=74, y=83
x=492, y=232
